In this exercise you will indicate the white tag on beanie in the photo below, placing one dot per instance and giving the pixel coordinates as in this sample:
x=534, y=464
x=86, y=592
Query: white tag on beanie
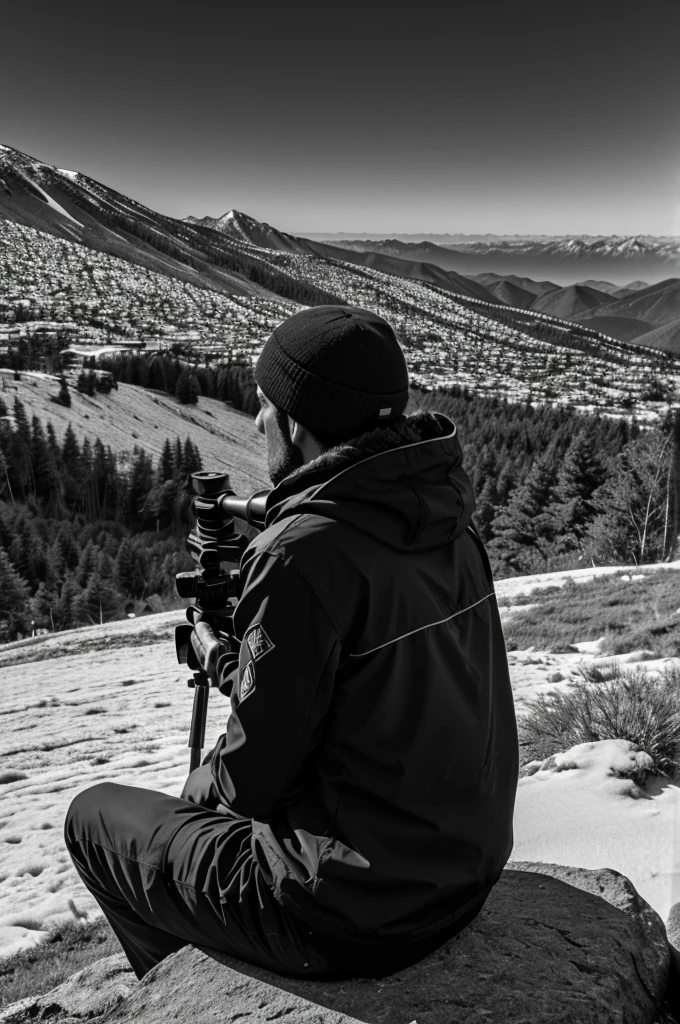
x=385, y=412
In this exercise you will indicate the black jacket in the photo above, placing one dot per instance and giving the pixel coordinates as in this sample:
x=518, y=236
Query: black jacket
x=372, y=734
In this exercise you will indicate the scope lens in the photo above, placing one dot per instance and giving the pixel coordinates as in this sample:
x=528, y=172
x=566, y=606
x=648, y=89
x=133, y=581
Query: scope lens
x=210, y=484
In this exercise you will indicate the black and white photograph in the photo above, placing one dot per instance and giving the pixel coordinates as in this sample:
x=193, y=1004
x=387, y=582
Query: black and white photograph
x=340, y=512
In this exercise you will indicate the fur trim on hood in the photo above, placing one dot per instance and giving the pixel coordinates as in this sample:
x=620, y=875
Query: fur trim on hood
x=418, y=426
x=403, y=484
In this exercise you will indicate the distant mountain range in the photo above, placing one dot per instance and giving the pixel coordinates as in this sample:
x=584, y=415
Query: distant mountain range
x=240, y=226
x=567, y=259
x=619, y=309
x=238, y=255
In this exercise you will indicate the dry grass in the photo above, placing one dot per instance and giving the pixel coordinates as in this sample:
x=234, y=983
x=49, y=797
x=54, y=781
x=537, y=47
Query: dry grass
x=629, y=614
x=609, y=704
x=35, y=971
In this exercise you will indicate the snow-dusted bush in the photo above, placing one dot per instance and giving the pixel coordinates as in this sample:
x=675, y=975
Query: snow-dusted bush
x=609, y=703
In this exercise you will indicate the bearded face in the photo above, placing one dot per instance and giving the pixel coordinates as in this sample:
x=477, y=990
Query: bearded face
x=282, y=455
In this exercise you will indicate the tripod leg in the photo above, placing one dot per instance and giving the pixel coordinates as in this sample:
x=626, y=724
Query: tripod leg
x=201, y=685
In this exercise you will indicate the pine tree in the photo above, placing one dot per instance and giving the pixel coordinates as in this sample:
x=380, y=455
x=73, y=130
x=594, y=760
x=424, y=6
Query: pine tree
x=70, y=551
x=194, y=389
x=41, y=461
x=172, y=369
x=13, y=595
x=141, y=482
x=524, y=529
x=157, y=379
x=55, y=570
x=70, y=451
x=65, y=612
x=25, y=548
x=64, y=393
x=177, y=457
x=485, y=510
x=183, y=388
x=5, y=483
x=87, y=564
x=19, y=460
x=165, y=463
x=53, y=446
x=222, y=392
x=99, y=600
x=124, y=567
x=191, y=459
x=580, y=474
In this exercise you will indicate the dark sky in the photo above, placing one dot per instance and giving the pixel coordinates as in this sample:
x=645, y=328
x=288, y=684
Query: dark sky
x=503, y=117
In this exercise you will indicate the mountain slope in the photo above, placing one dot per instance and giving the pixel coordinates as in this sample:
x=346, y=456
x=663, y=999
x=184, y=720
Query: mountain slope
x=625, y=328
x=525, y=283
x=666, y=337
x=226, y=439
x=246, y=229
x=602, y=286
x=512, y=294
x=72, y=206
x=413, y=269
x=659, y=303
x=567, y=302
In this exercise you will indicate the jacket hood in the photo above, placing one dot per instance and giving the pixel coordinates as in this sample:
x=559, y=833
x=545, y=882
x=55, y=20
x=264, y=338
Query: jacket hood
x=404, y=485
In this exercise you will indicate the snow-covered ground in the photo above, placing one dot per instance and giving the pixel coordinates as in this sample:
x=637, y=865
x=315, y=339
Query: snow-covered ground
x=117, y=714
x=110, y=703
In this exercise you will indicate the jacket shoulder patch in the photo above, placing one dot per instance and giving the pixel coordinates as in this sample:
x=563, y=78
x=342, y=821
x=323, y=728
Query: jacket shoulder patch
x=247, y=682
x=258, y=642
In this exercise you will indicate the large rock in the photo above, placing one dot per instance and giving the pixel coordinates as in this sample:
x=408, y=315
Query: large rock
x=673, y=990
x=553, y=945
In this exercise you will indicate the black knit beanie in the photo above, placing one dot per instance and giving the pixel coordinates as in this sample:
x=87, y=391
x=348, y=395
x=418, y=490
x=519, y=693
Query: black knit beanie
x=337, y=370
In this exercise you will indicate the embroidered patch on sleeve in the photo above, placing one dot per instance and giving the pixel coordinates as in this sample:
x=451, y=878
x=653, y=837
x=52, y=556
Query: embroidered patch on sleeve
x=247, y=683
x=258, y=642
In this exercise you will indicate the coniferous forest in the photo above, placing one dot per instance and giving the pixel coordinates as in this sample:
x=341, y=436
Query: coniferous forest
x=231, y=382
x=88, y=535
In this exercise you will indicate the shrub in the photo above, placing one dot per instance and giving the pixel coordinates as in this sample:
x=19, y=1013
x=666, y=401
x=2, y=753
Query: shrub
x=609, y=704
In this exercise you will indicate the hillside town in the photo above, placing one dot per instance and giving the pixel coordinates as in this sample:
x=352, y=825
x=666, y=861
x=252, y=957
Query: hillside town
x=59, y=298
x=54, y=289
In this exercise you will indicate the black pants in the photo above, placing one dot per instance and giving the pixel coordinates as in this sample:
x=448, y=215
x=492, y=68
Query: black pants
x=167, y=872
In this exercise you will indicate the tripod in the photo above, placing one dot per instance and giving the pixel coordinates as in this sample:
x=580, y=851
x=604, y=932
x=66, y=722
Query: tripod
x=213, y=592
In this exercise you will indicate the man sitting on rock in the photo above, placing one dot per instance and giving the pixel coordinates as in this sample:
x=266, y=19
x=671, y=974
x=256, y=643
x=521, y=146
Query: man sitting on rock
x=358, y=809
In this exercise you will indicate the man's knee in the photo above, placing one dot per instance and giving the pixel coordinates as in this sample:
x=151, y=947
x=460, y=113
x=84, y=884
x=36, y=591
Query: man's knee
x=85, y=811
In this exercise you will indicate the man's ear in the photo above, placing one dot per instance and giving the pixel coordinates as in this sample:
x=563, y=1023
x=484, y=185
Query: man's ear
x=296, y=431
x=303, y=439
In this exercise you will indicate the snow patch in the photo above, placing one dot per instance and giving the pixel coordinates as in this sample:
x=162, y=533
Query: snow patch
x=577, y=811
x=48, y=199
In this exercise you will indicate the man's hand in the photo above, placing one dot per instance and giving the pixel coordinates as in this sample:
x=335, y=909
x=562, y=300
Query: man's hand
x=207, y=647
